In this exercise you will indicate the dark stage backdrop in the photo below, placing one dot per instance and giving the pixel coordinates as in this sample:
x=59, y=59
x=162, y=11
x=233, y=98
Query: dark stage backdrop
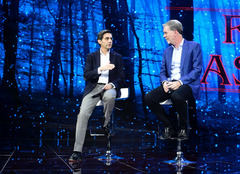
x=43, y=47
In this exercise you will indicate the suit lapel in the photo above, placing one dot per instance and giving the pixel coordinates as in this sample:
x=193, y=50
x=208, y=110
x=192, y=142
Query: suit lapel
x=111, y=61
x=169, y=59
x=98, y=58
x=183, y=56
x=111, y=57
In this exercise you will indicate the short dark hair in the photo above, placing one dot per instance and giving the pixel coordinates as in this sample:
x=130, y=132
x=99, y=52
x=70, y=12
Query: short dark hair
x=101, y=33
x=174, y=25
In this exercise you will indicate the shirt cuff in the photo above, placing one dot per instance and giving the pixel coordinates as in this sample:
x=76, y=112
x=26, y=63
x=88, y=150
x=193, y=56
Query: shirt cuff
x=164, y=81
x=180, y=82
x=99, y=72
x=112, y=85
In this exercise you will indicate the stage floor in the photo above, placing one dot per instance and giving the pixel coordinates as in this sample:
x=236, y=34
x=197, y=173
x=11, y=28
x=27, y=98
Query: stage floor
x=45, y=148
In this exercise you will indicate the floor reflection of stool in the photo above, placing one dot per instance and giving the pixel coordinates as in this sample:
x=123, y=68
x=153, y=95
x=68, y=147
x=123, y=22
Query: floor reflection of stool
x=108, y=158
x=179, y=161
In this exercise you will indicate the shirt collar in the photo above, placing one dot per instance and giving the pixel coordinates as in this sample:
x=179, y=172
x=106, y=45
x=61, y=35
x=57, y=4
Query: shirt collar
x=181, y=44
x=103, y=53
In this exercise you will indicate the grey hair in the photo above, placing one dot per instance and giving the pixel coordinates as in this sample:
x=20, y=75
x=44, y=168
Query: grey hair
x=174, y=25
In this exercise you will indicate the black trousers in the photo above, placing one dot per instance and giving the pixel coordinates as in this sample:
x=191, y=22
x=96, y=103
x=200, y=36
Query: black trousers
x=178, y=97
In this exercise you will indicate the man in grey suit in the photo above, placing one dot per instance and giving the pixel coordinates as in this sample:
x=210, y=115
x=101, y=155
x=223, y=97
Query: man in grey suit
x=104, y=75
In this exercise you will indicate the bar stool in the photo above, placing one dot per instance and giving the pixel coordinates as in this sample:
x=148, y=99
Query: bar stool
x=179, y=161
x=108, y=158
x=168, y=102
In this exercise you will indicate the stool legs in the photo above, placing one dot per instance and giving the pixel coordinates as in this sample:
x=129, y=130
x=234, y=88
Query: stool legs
x=109, y=157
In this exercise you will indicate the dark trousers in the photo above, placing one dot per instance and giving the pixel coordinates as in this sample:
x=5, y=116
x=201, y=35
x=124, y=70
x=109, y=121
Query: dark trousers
x=178, y=97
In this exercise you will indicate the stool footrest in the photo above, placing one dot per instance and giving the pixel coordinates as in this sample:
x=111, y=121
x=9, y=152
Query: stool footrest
x=97, y=133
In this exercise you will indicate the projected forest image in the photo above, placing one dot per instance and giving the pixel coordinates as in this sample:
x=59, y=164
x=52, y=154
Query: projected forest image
x=44, y=45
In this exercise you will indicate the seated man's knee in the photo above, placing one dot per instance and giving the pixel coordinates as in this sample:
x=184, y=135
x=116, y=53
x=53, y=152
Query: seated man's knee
x=109, y=96
x=148, y=99
x=176, y=97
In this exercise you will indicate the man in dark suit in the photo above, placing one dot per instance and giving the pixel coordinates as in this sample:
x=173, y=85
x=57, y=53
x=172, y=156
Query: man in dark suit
x=104, y=75
x=180, y=78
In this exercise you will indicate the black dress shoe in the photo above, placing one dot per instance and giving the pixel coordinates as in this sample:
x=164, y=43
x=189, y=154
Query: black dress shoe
x=183, y=134
x=168, y=133
x=76, y=157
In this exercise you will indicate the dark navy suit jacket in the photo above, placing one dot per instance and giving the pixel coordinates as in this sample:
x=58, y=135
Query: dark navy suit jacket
x=91, y=76
x=191, y=65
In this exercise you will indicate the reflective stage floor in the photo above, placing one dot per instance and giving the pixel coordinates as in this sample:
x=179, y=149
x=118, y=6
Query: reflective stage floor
x=39, y=138
x=46, y=149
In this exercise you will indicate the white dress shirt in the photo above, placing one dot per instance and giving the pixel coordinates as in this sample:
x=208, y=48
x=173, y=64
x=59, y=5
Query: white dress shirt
x=176, y=62
x=104, y=59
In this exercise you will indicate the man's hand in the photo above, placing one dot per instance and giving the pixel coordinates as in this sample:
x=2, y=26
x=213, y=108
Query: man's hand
x=107, y=67
x=174, y=85
x=108, y=86
x=165, y=86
